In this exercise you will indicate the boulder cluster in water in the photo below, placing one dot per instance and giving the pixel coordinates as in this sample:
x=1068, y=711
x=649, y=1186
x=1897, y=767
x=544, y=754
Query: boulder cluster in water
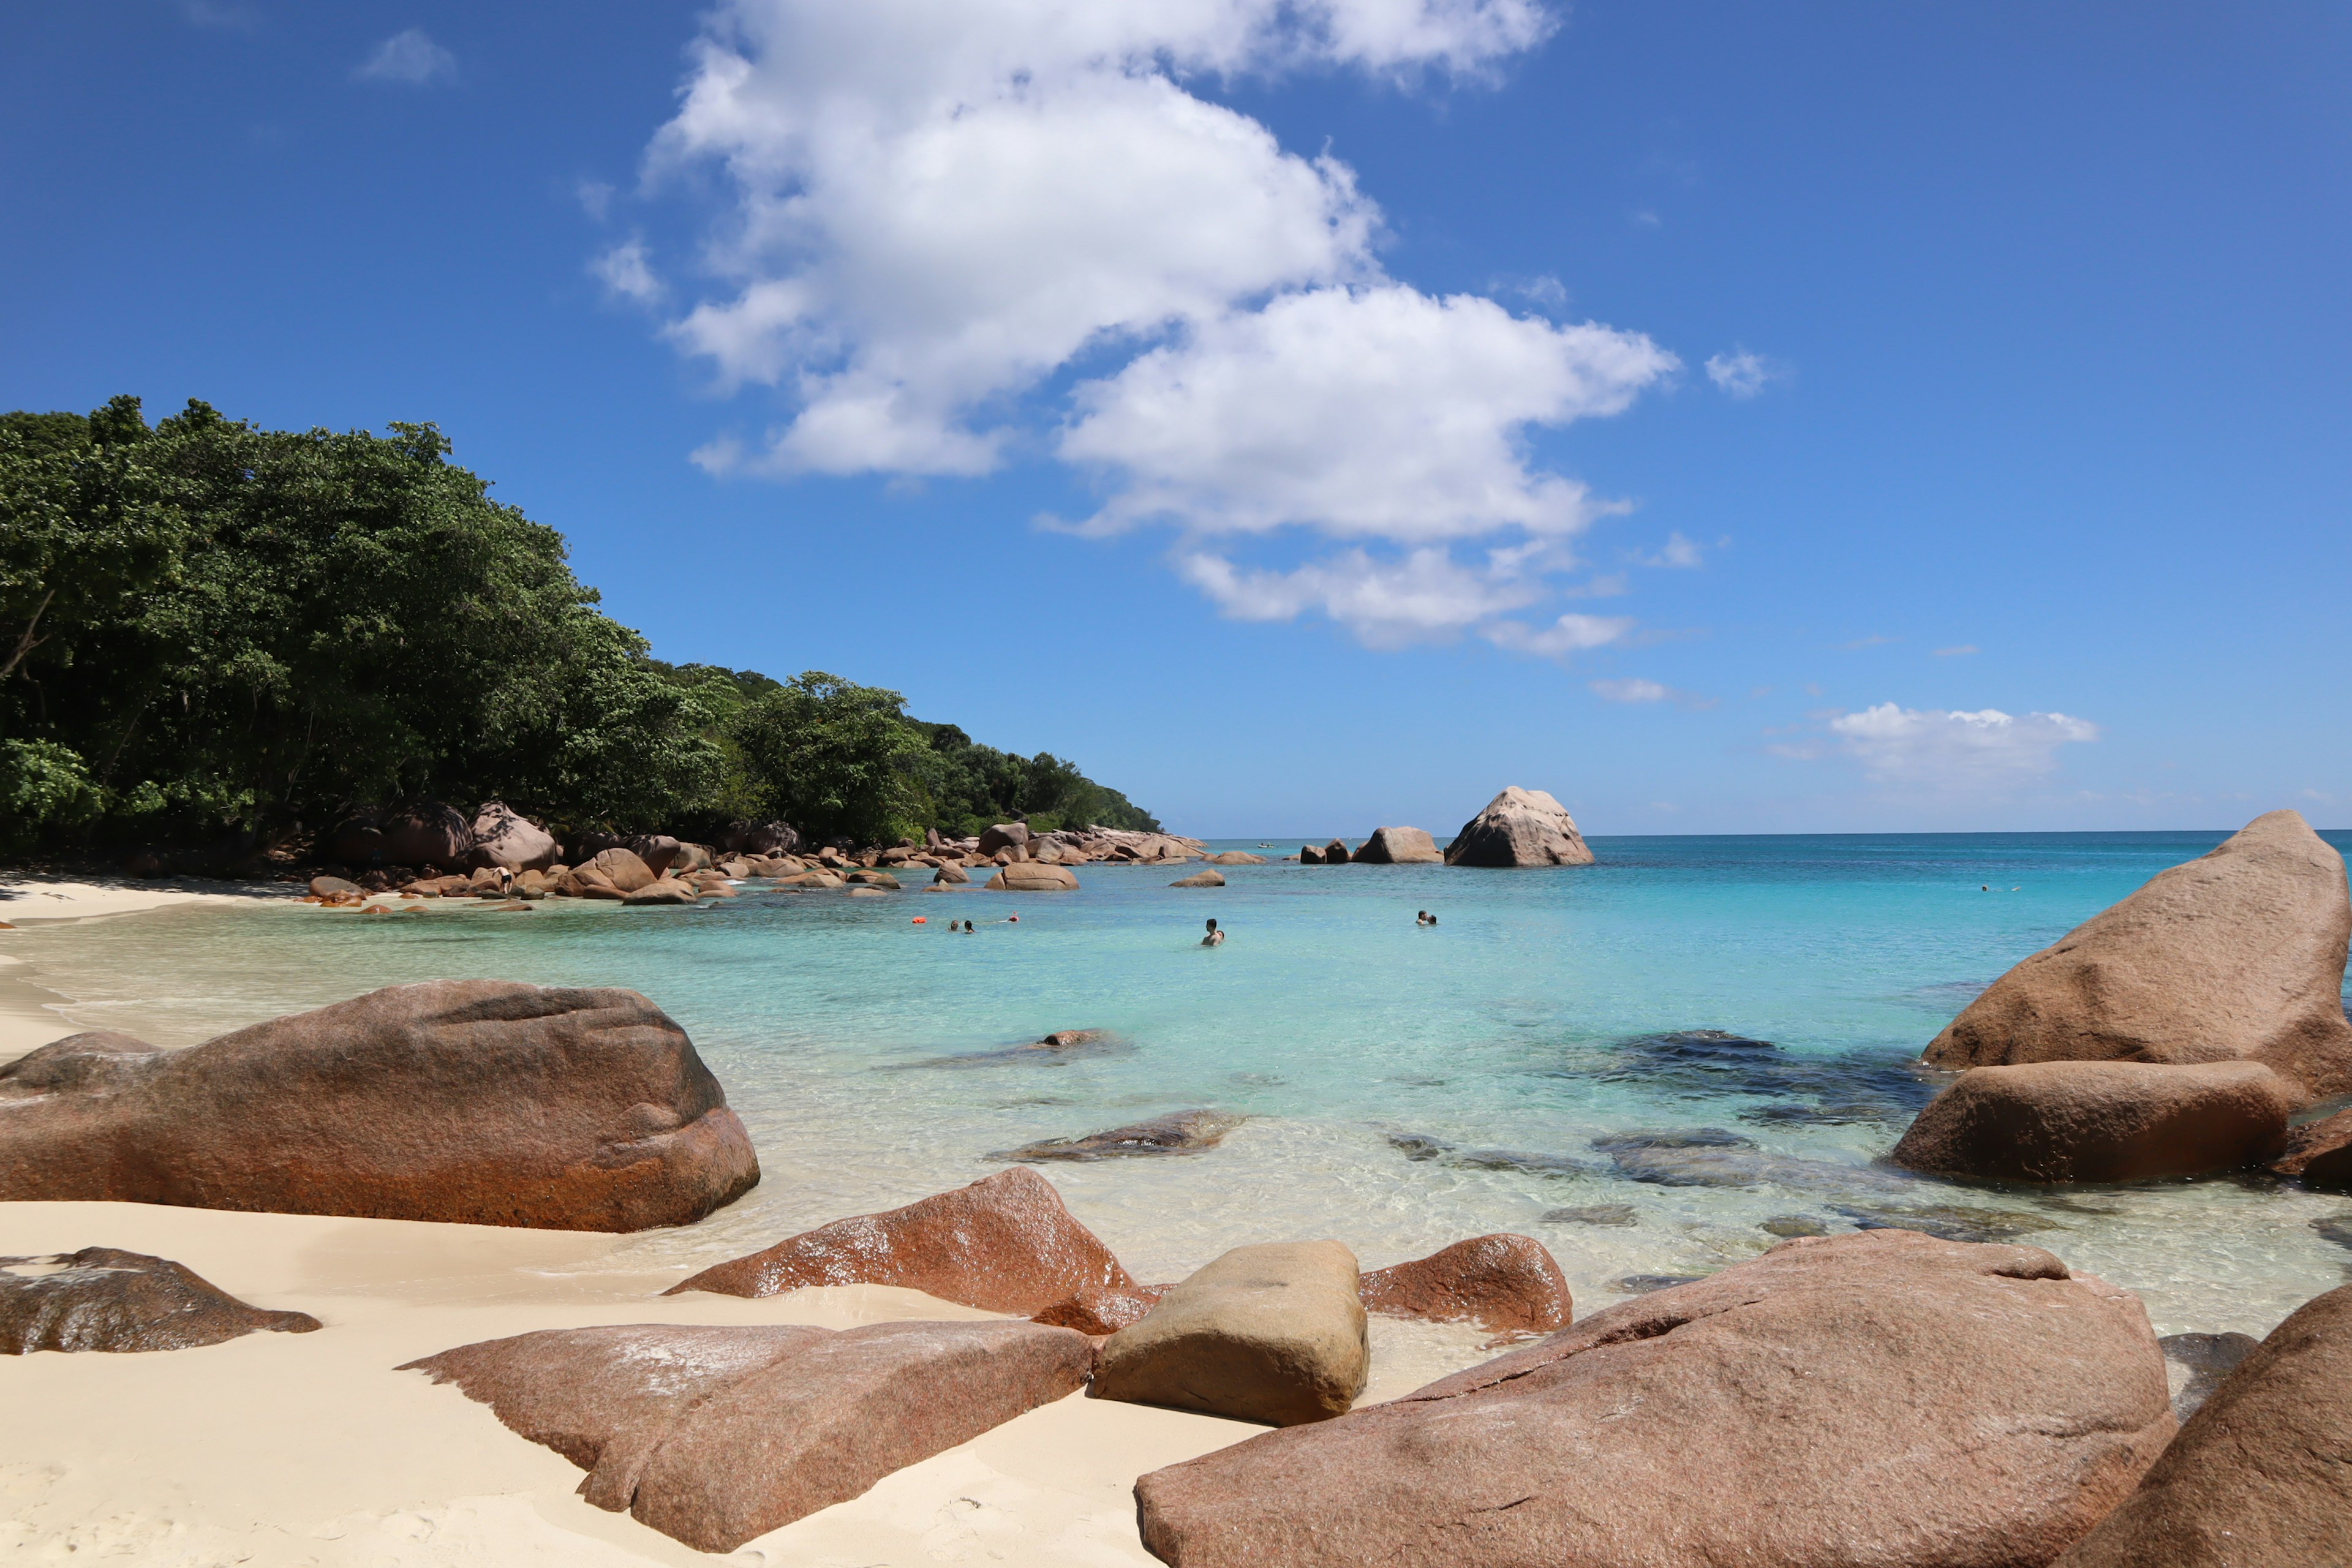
x=1882, y=1398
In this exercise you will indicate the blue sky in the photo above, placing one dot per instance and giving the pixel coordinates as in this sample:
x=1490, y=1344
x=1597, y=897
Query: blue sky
x=1793, y=417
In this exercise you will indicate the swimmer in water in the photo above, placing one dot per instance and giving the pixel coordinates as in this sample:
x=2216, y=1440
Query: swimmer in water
x=1013, y=920
x=1425, y=919
x=1215, y=937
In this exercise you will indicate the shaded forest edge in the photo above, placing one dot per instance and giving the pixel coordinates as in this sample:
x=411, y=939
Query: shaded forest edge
x=227, y=638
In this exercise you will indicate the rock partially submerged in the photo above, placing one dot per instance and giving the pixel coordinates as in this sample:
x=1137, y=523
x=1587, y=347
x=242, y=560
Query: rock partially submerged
x=104, y=1298
x=2196, y=1365
x=1034, y=877
x=2261, y=1477
x=1004, y=1243
x=1506, y=1284
x=473, y=1101
x=1520, y=827
x=1178, y=1132
x=1875, y=1400
x=2321, y=1152
x=713, y=1436
x=1201, y=880
x=1399, y=847
x=2238, y=954
x=2101, y=1121
x=1273, y=1333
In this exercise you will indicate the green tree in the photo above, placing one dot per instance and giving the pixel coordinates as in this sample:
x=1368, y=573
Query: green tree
x=835, y=759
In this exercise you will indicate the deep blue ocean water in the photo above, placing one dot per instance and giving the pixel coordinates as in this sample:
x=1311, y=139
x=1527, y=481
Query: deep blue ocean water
x=1541, y=1049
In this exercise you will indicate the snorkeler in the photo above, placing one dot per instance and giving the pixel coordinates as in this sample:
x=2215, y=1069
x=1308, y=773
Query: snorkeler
x=1215, y=937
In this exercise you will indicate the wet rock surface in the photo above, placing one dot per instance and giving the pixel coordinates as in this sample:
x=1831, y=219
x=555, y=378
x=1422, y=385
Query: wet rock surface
x=713, y=1436
x=1101, y=1310
x=104, y=1299
x=1004, y=1243
x=1707, y=1064
x=1273, y=1333
x=2101, y=1121
x=2198, y=1364
x=1594, y=1214
x=2320, y=1153
x=1178, y=1132
x=2261, y=1476
x=1882, y=1400
x=474, y=1101
x=1506, y=1284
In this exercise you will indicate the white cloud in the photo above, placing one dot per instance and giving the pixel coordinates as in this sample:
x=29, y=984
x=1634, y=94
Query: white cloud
x=1953, y=751
x=1568, y=634
x=627, y=271
x=1631, y=691
x=1678, y=552
x=410, y=57
x=938, y=206
x=1741, y=374
x=595, y=198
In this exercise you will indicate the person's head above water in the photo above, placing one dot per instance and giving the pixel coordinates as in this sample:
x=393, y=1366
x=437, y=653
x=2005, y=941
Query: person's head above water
x=1212, y=923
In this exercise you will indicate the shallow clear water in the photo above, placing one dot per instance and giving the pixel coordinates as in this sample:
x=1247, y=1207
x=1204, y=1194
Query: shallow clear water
x=1406, y=1086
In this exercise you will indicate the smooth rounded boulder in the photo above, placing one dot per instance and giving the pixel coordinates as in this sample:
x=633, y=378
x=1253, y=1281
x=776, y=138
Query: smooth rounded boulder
x=2238, y=954
x=426, y=834
x=1520, y=827
x=503, y=838
x=1506, y=1284
x=2321, y=1152
x=620, y=869
x=1004, y=1243
x=1003, y=835
x=1399, y=847
x=1273, y=1333
x=1201, y=880
x=473, y=1102
x=2100, y=1122
x=2261, y=1477
x=1034, y=877
x=713, y=1436
x=104, y=1299
x=1875, y=1399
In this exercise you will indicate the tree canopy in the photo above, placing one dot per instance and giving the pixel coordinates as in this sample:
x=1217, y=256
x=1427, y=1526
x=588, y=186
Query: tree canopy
x=209, y=629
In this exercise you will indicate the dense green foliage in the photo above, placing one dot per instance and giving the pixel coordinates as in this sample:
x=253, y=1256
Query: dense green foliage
x=209, y=630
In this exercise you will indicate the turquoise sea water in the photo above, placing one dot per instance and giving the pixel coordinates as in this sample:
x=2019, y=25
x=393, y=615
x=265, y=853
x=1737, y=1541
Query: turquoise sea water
x=1406, y=1086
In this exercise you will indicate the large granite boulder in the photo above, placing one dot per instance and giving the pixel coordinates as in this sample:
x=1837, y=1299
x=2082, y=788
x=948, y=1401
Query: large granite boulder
x=2237, y=954
x=2101, y=1121
x=660, y=851
x=104, y=1298
x=1399, y=847
x=1336, y=853
x=713, y=1436
x=1875, y=1399
x=1034, y=877
x=474, y=1101
x=1004, y=1243
x=760, y=838
x=1101, y=1310
x=1520, y=827
x=503, y=838
x=1201, y=880
x=426, y=834
x=2321, y=1153
x=1506, y=1284
x=2261, y=1475
x=1003, y=835
x=619, y=869
x=663, y=890
x=1237, y=857
x=1272, y=1333
x=1308, y=855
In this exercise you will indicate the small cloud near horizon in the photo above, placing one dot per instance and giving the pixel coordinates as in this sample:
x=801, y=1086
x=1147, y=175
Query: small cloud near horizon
x=1634, y=689
x=410, y=59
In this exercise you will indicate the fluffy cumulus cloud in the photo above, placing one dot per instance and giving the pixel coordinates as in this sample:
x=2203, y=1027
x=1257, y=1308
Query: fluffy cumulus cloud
x=1953, y=751
x=939, y=208
x=410, y=59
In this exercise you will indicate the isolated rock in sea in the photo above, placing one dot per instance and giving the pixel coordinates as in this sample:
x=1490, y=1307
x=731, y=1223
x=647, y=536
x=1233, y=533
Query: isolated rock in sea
x=1273, y=1333
x=2261, y=1477
x=1201, y=880
x=1399, y=847
x=104, y=1298
x=1506, y=1284
x=2321, y=1153
x=427, y=832
x=1034, y=877
x=1100, y=1309
x=474, y=1101
x=1236, y=858
x=952, y=875
x=1880, y=1400
x=1336, y=853
x=2196, y=1364
x=620, y=868
x=873, y=879
x=1178, y=1132
x=1310, y=856
x=503, y=838
x=1003, y=835
x=665, y=890
x=2101, y=1121
x=2237, y=954
x=1004, y=1243
x=1520, y=827
x=810, y=878
x=713, y=1436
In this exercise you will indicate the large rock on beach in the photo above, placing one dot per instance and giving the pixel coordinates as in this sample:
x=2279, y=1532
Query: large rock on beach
x=2261, y=1475
x=426, y=834
x=1876, y=1400
x=1520, y=827
x=1004, y=836
x=104, y=1298
x=1399, y=847
x=1004, y=1243
x=660, y=851
x=503, y=838
x=2321, y=1153
x=1101, y=1310
x=713, y=1436
x=621, y=869
x=2101, y=1121
x=663, y=890
x=2238, y=954
x=1178, y=1132
x=473, y=1102
x=1506, y=1284
x=1034, y=877
x=757, y=839
x=1272, y=1333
